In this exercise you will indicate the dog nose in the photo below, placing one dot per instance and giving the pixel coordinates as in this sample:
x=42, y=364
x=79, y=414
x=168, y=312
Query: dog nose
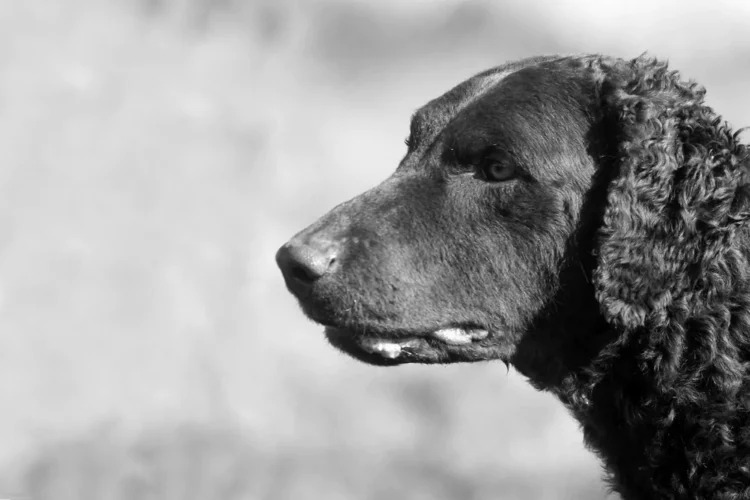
x=303, y=264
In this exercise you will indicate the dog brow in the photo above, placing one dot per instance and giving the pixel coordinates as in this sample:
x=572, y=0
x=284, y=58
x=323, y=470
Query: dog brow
x=417, y=125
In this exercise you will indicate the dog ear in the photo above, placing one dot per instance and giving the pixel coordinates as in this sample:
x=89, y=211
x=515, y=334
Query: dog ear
x=675, y=202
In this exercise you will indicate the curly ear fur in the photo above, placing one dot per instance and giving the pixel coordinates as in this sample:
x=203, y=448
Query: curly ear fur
x=676, y=203
x=672, y=279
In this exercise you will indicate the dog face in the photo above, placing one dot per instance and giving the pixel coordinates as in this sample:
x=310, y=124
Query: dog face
x=457, y=254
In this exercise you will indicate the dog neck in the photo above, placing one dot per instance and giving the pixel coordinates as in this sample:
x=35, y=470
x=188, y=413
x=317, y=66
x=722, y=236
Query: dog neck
x=668, y=420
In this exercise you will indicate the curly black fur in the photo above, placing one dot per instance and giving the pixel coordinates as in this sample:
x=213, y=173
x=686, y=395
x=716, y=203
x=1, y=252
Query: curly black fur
x=613, y=270
x=667, y=401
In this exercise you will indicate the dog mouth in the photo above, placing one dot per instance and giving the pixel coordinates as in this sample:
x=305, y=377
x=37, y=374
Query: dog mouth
x=435, y=346
x=392, y=349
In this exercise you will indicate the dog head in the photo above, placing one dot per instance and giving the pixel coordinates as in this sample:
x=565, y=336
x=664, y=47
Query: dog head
x=501, y=219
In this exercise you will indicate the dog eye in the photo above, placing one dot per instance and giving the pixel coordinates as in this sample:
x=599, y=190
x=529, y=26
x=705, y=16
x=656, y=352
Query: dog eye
x=494, y=171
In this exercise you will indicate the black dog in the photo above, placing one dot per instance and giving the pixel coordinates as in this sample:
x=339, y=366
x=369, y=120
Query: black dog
x=584, y=219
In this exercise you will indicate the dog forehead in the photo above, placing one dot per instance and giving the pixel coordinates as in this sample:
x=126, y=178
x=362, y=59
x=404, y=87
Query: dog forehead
x=433, y=117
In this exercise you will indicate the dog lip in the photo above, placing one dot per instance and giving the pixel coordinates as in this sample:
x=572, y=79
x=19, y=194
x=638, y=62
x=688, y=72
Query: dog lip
x=455, y=334
x=400, y=344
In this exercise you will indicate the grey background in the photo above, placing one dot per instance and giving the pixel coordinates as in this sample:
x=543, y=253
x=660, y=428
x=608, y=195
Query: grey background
x=153, y=156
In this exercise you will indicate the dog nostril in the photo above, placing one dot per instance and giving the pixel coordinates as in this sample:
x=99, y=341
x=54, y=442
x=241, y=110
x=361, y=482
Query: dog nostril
x=304, y=274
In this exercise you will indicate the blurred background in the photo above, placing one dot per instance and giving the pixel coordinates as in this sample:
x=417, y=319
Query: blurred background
x=153, y=156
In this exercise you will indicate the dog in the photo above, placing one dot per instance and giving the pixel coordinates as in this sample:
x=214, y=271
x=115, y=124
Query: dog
x=584, y=219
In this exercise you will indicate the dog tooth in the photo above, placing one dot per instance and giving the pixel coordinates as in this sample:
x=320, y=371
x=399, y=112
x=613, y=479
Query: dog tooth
x=453, y=336
x=478, y=334
x=385, y=348
x=391, y=351
x=460, y=336
x=369, y=345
